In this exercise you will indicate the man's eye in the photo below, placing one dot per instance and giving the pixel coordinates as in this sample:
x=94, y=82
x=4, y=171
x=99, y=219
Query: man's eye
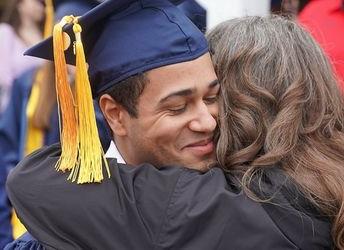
x=177, y=110
x=211, y=99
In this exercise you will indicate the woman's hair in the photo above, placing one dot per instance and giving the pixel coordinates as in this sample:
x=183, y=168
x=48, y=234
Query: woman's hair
x=280, y=106
x=11, y=14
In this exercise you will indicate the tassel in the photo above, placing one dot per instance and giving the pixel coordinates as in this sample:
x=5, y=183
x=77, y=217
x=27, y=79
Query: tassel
x=65, y=101
x=49, y=18
x=91, y=155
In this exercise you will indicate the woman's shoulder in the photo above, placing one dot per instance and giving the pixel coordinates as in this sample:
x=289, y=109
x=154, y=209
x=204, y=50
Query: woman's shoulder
x=281, y=215
x=291, y=211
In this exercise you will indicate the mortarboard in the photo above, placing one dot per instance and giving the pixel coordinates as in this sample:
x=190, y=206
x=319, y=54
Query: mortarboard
x=125, y=37
x=120, y=38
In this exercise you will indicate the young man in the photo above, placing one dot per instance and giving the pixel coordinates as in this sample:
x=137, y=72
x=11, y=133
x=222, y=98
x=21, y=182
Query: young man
x=151, y=70
x=168, y=115
x=153, y=75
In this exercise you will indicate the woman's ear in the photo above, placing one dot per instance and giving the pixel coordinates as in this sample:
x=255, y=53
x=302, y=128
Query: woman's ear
x=114, y=114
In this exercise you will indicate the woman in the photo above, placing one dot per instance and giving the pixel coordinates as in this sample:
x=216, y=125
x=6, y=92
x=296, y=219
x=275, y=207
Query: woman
x=280, y=144
x=21, y=27
x=281, y=109
x=290, y=7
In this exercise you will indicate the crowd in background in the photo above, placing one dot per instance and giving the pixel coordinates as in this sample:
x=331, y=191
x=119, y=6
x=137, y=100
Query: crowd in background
x=28, y=112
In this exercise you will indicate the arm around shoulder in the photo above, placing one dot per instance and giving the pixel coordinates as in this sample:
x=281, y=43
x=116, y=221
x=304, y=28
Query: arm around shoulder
x=62, y=214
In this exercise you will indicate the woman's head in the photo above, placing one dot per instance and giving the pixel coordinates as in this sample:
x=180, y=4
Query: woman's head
x=280, y=106
x=18, y=11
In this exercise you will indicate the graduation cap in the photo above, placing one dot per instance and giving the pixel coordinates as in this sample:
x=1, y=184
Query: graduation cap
x=130, y=36
x=119, y=39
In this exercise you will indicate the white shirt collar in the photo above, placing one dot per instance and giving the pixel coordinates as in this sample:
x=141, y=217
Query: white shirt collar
x=113, y=152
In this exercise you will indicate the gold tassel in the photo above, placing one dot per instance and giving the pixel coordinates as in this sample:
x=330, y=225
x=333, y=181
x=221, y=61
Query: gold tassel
x=65, y=100
x=91, y=155
x=49, y=18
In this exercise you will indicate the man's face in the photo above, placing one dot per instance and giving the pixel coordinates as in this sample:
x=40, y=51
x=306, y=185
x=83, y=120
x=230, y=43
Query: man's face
x=177, y=114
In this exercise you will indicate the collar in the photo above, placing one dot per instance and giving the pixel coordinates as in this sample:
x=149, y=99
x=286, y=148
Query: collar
x=113, y=152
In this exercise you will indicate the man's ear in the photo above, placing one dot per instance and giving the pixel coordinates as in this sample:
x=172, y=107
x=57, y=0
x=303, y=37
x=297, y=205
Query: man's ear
x=114, y=114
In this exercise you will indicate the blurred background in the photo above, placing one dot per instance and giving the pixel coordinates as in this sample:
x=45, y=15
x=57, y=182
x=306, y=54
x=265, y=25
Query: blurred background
x=28, y=109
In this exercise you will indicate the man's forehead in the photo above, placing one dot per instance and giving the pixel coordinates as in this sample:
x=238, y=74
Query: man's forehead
x=193, y=70
x=160, y=91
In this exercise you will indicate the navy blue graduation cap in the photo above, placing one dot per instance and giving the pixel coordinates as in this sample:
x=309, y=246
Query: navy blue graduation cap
x=125, y=37
x=118, y=39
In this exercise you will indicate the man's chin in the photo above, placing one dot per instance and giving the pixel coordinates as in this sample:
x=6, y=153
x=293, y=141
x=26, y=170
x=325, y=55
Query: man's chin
x=202, y=166
x=191, y=162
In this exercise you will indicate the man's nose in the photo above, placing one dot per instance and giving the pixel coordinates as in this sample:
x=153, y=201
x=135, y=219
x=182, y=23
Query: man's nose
x=204, y=120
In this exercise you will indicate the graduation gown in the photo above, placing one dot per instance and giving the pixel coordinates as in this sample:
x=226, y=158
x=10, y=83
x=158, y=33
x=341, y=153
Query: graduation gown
x=13, y=126
x=168, y=208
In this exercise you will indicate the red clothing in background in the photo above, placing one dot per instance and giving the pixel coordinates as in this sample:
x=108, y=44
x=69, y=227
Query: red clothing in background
x=325, y=20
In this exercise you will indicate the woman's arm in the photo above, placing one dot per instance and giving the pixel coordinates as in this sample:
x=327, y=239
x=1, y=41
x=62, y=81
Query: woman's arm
x=62, y=214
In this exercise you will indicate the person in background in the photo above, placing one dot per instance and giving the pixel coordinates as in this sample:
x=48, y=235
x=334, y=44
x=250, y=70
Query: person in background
x=324, y=19
x=279, y=180
x=30, y=121
x=2, y=3
x=288, y=7
x=21, y=27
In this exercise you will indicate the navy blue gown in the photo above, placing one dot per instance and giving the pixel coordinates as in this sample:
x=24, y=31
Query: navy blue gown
x=167, y=208
x=13, y=125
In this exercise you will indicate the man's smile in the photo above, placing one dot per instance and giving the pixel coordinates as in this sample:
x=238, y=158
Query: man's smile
x=201, y=147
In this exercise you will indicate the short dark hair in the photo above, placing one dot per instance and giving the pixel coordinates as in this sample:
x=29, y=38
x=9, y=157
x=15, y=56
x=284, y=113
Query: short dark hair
x=128, y=91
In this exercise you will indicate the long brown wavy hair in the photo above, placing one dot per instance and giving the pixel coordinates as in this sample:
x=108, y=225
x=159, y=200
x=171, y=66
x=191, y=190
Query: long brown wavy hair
x=281, y=106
